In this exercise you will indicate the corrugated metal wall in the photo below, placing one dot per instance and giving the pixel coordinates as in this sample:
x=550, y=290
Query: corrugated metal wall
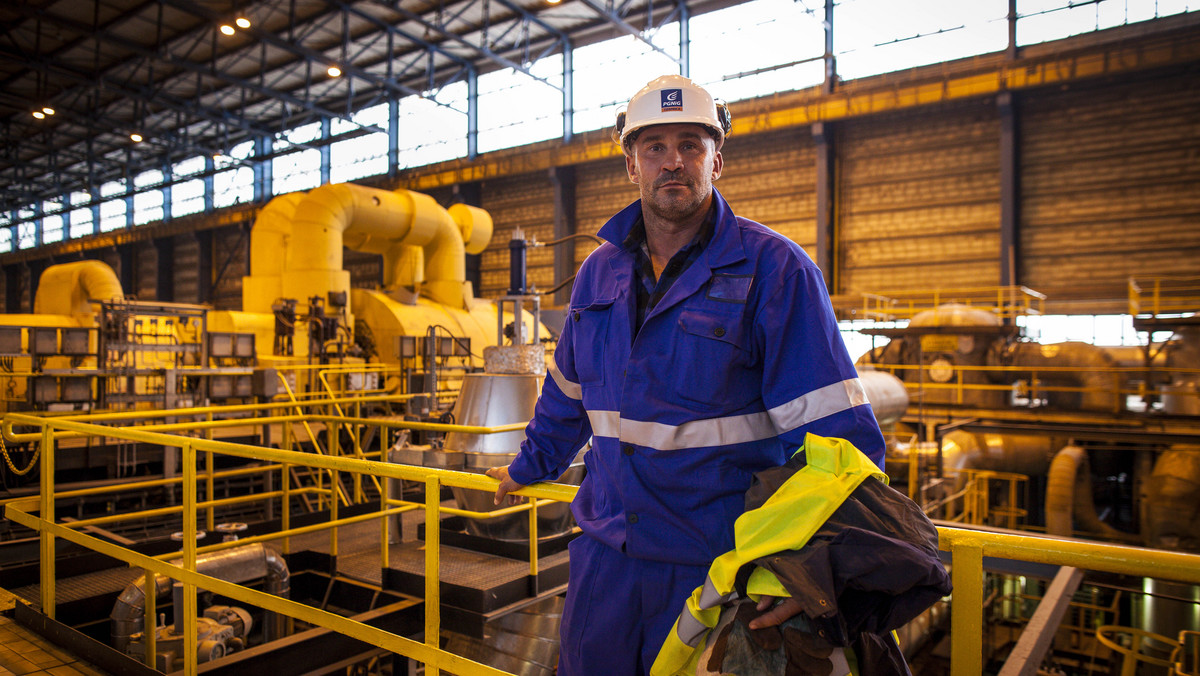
x=918, y=199
x=770, y=178
x=231, y=262
x=1111, y=185
x=187, y=269
x=525, y=201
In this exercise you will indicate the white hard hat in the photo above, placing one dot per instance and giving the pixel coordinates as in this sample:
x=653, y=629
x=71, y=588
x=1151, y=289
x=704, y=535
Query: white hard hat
x=673, y=99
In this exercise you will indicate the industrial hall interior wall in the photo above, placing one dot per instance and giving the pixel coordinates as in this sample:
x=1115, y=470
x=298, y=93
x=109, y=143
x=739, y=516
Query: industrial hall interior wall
x=1106, y=170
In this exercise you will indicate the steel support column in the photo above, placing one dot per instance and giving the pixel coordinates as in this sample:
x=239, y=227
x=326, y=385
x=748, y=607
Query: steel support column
x=263, y=177
x=472, y=114
x=326, y=155
x=568, y=95
x=393, y=153
x=1010, y=191
x=826, y=187
x=565, y=224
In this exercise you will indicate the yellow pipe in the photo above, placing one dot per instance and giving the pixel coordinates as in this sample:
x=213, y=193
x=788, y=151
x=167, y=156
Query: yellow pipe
x=66, y=288
x=269, y=238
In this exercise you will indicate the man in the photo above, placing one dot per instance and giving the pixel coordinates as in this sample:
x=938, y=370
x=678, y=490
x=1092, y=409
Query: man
x=699, y=348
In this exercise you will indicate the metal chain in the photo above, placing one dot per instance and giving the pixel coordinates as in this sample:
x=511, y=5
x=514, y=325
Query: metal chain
x=8, y=461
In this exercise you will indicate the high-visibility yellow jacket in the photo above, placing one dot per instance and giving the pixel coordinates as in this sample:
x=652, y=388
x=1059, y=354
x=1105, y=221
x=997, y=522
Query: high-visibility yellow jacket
x=787, y=520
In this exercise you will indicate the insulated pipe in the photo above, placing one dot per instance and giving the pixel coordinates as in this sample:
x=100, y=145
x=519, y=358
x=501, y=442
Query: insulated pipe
x=887, y=394
x=241, y=564
x=1095, y=376
x=1173, y=500
x=1069, y=498
x=269, y=240
x=66, y=288
x=382, y=222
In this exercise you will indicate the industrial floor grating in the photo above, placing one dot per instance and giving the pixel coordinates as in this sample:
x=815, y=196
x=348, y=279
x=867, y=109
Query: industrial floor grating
x=81, y=587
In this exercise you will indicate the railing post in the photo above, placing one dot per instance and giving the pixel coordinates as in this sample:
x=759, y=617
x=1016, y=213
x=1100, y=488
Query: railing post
x=383, y=522
x=335, y=483
x=533, y=540
x=286, y=513
x=150, y=623
x=47, y=514
x=433, y=541
x=966, y=608
x=209, y=485
x=190, y=655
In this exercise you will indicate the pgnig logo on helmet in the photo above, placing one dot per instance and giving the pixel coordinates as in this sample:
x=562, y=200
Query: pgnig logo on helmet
x=672, y=100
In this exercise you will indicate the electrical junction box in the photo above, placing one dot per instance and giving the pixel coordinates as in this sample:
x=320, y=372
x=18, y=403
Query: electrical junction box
x=75, y=342
x=10, y=340
x=44, y=340
x=77, y=389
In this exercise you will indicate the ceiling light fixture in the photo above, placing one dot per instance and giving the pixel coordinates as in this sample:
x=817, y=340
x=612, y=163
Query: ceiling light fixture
x=227, y=29
x=242, y=22
x=334, y=71
x=39, y=114
x=47, y=110
x=553, y=2
x=135, y=137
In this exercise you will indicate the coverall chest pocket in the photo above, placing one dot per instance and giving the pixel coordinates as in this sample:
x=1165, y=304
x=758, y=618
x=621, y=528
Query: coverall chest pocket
x=712, y=359
x=590, y=325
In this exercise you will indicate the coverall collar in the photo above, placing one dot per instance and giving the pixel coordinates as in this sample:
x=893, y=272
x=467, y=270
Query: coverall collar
x=724, y=249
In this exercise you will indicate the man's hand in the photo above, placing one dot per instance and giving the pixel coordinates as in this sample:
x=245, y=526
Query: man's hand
x=777, y=614
x=507, y=485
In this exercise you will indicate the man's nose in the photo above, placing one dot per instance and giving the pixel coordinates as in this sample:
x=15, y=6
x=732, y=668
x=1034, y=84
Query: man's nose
x=672, y=160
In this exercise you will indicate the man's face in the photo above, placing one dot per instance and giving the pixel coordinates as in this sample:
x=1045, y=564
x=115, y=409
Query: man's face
x=675, y=166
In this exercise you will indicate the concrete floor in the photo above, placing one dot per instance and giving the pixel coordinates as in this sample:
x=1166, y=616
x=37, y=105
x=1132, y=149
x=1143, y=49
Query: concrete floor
x=24, y=652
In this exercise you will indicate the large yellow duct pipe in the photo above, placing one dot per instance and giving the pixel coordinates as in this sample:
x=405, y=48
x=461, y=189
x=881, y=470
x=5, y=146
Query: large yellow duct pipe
x=269, y=239
x=378, y=221
x=66, y=288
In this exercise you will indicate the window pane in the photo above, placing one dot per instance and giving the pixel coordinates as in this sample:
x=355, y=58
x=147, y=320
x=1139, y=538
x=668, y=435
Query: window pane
x=608, y=73
x=147, y=204
x=881, y=36
x=753, y=48
x=81, y=218
x=430, y=132
x=112, y=206
x=515, y=109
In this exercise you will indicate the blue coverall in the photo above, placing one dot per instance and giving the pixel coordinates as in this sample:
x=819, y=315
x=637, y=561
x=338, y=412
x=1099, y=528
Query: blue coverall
x=737, y=362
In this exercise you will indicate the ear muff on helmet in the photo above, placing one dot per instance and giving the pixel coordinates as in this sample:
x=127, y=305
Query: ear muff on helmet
x=723, y=116
x=618, y=128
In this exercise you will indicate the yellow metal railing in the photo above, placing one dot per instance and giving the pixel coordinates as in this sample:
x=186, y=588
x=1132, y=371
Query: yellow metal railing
x=52, y=429
x=1002, y=301
x=1186, y=658
x=967, y=548
x=958, y=381
x=1156, y=296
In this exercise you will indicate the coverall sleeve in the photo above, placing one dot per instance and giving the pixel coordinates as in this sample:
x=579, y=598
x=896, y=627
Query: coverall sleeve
x=809, y=382
x=560, y=425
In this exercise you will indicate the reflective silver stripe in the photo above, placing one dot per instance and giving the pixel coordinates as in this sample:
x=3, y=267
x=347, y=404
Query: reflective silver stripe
x=572, y=390
x=605, y=423
x=690, y=630
x=695, y=434
x=710, y=597
x=818, y=404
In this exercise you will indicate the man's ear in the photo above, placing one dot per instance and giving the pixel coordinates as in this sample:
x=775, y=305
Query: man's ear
x=718, y=163
x=631, y=167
